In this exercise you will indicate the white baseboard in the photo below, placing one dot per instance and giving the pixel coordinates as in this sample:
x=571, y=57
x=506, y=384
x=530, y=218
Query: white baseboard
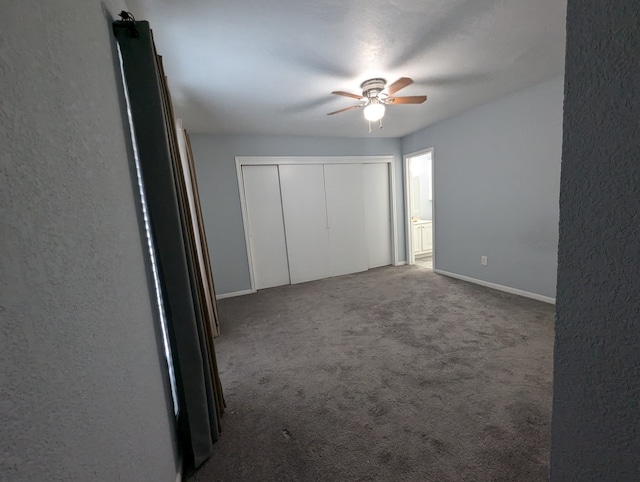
x=235, y=293
x=400, y=263
x=507, y=289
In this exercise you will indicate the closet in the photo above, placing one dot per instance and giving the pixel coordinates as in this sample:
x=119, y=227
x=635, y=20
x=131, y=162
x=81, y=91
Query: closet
x=311, y=221
x=266, y=226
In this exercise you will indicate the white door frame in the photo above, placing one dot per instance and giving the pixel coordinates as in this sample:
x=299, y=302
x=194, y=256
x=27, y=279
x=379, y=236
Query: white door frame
x=277, y=160
x=411, y=259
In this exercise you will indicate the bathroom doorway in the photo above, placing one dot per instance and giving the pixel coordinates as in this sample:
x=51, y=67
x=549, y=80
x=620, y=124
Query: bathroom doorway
x=419, y=204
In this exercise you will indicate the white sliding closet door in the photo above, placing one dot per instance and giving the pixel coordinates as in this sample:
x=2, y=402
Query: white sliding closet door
x=305, y=221
x=266, y=227
x=377, y=214
x=345, y=212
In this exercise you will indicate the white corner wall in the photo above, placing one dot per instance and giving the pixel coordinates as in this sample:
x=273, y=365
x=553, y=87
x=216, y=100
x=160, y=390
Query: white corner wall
x=83, y=394
x=497, y=183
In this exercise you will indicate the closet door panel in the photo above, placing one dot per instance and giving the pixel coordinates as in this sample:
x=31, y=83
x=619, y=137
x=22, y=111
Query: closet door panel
x=377, y=214
x=305, y=221
x=345, y=212
x=266, y=227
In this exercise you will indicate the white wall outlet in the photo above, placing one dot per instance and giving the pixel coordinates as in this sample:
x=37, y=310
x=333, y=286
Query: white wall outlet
x=483, y=260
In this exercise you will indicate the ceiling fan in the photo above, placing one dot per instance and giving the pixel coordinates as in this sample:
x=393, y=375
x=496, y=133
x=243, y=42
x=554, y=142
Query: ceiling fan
x=374, y=98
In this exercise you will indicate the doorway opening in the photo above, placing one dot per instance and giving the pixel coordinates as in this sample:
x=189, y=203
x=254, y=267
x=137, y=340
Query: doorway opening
x=419, y=208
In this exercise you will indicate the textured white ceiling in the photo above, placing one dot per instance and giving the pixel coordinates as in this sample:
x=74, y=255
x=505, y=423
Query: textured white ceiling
x=268, y=67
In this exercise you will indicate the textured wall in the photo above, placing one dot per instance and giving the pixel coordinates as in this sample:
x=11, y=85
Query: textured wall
x=596, y=412
x=82, y=391
x=497, y=179
x=215, y=163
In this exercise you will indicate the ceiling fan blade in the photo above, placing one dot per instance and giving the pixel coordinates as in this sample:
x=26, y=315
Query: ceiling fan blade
x=345, y=109
x=401, y=83
x=347, y=94
x=411, y=99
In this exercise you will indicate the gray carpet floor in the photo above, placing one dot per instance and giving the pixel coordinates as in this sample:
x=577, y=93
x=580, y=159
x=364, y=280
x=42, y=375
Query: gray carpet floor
x=394, y=374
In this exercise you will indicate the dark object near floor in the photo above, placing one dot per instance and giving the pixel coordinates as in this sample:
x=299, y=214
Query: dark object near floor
x=392, y=374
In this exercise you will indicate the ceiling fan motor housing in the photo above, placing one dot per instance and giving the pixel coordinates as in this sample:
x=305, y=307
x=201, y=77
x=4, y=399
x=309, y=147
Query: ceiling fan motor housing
x=372, y=87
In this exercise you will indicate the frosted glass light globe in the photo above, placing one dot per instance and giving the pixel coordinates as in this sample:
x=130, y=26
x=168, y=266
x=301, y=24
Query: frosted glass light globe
x=374, y=112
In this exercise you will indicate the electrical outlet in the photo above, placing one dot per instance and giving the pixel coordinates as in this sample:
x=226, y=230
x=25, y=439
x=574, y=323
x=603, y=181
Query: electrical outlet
x=484, y=261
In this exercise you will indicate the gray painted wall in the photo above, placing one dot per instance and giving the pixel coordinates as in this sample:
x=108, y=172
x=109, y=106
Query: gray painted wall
x=497, y=178
x=83, y=393
x=596, y=418
x=215, y=165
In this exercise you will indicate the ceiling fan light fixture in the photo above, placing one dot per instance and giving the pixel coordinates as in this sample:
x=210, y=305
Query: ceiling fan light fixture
x=375, y=98
x=374, y=111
